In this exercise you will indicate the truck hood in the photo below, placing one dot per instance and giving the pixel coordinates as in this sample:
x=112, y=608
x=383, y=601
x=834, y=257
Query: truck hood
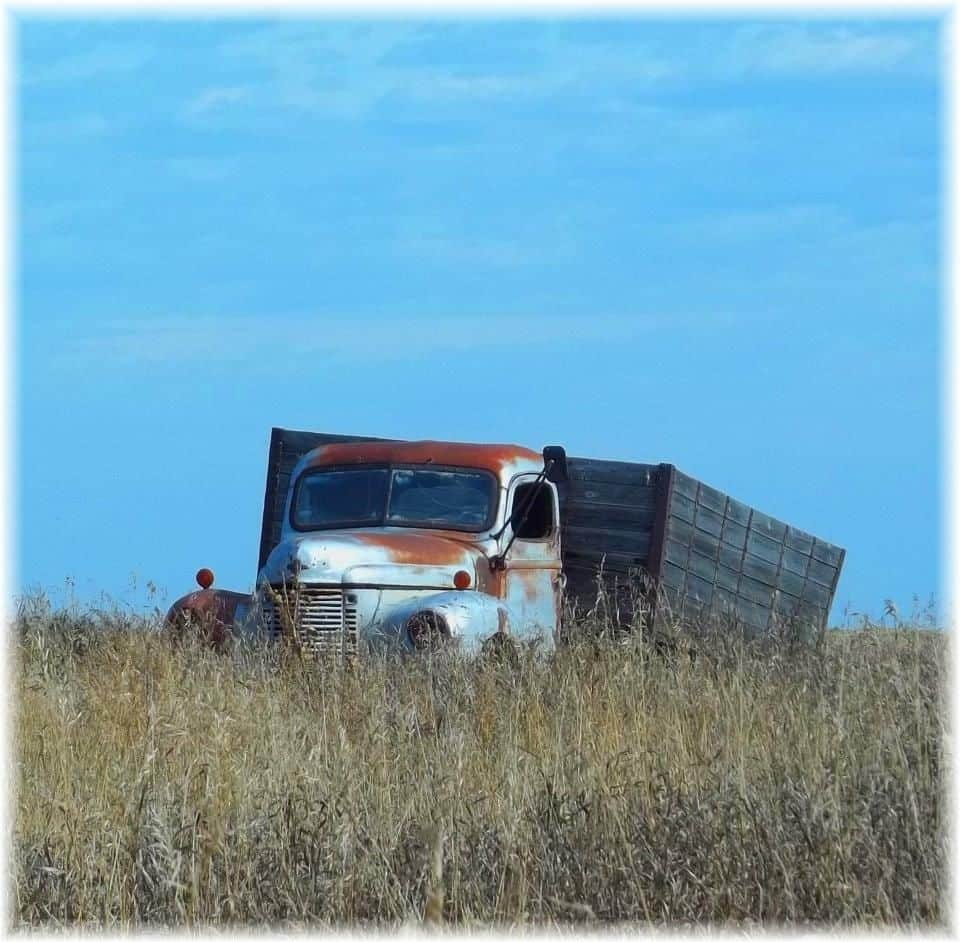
x=380, y=557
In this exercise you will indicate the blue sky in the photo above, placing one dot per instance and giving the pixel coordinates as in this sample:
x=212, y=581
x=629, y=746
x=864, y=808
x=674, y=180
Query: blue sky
x=711, y=242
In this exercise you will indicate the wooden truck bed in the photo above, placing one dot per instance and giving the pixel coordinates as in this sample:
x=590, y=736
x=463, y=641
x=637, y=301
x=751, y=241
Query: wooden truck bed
x=706, y=553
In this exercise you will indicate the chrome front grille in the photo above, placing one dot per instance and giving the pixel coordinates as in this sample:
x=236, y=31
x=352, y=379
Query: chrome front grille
x=318, y=618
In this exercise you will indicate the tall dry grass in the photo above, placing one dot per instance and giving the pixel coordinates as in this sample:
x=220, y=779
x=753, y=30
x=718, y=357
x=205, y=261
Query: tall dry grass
x=167, y=785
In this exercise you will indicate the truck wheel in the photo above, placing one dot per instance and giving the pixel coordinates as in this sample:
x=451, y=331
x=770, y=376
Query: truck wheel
x=427, y=631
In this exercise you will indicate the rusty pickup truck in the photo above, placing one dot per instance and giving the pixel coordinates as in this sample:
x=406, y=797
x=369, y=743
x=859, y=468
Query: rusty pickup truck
x=372, y=544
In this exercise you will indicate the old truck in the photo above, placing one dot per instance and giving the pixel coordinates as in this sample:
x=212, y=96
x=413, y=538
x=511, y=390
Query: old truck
x=371, y=544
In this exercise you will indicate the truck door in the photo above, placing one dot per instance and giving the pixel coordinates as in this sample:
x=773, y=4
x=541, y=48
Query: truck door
x=532, y=575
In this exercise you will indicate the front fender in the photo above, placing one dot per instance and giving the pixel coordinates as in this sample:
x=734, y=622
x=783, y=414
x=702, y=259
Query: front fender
x=213, y=613
x=472, y=618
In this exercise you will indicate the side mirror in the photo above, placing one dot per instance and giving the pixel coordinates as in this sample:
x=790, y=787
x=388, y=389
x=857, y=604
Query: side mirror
x=555, y=463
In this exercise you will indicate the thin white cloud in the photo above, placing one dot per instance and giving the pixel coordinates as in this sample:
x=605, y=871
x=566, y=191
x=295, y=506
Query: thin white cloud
x=211, y=99
x=313, y=67
x=440, y=86
x=98, y=62
x=820, y=237
x=345, y=340
x=824, y=226
x=824, y=48
x=752, y=225
x=544, y=240
x=281, y=46
x=72, y=126
x=348, y=70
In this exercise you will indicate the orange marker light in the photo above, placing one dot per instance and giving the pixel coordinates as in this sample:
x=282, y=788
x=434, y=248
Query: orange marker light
x=461, y=579
x=205, y=578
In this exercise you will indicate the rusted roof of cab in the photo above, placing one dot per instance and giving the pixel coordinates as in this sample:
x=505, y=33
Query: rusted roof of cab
x=458, y=454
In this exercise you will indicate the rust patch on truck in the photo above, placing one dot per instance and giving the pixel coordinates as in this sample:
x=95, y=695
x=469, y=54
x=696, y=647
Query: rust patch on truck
x=528, y=580
x=492, y=581
x=459, y=454
x=416, y=548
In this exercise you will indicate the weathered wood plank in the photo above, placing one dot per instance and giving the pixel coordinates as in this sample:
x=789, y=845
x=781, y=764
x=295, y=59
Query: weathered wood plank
x=712, y=499
x=795, y=561
x=738, y=511
x=685, y=486
x=760, y=570
x=754, y=614
x=604, y=492
x=785, y=605
x=708, y=521
x=790, y=582
x=827, y=553
x=730, y=557
x=603, y=473
x=768, y=526
x=734, y=534
x=615, y=562
x=609, y=516
x=676, y=552
x=755, y=591
x=605, y=540
x=728, y=578
x=761, y=546
x=798, y=540
x=609, y=464
x=683, y=508
x=674, y=576
x=698, y=588
x=679, y=530
x=703, y=567
x=705, y=544
x=814, y=592
x=822, y=573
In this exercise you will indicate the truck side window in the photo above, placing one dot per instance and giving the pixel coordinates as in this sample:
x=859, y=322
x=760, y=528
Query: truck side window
x=539, y=522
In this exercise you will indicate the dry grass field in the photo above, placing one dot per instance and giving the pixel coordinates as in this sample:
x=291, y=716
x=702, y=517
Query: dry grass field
x=750, y=785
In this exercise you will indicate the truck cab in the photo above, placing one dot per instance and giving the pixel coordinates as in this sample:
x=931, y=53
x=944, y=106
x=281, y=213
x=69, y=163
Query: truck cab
x=413, y=546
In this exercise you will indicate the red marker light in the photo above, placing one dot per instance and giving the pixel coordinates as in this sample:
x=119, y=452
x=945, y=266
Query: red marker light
x=204, y=578
x=461, y=579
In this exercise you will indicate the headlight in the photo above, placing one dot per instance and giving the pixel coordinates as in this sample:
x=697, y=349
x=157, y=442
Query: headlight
x=427, y=630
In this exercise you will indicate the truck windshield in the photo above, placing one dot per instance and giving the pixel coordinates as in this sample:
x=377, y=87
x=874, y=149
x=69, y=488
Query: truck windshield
x=456, y=499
